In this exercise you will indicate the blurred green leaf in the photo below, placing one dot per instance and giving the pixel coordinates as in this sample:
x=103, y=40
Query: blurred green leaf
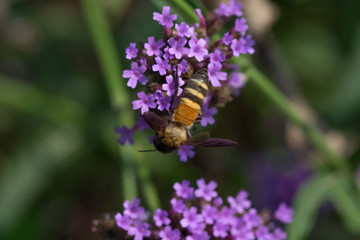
x=314, y=56
x=29, y=171
x=116, y=8
x=346, y=200
x=308, y=200
x=344, y=104
x=184, y=12
x=198, y=4
x=29, y=99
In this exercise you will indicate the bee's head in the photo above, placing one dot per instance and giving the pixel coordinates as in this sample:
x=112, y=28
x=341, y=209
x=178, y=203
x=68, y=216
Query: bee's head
x=163, y=145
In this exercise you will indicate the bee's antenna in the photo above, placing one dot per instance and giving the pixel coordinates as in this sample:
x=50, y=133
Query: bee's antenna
x=152, y=150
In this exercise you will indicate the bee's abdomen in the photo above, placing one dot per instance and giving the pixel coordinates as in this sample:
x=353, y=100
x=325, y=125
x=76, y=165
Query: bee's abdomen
x=192, y=99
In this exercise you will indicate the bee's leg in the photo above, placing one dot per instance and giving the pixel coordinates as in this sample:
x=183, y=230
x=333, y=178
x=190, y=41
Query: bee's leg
x=176, y=78
x=173, y=101
x=188, y=133
x=199, y=118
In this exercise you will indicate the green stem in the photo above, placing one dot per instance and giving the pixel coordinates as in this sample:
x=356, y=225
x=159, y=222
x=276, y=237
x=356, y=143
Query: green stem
x=110, y=64
x=186, y=9
x=313, y=134
x=57, y=109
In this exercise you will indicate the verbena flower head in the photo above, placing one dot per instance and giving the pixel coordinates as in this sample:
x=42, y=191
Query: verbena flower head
x=166, y=65
x=195, y=213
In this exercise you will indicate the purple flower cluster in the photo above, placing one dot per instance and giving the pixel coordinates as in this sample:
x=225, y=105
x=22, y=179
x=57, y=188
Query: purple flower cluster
x=164, y=66
x=199, y=213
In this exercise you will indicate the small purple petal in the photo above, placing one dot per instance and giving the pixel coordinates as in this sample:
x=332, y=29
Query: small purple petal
x=215, y=74
x=184, y=190
x=161, y=65
x=198, y=49
x=131, y=51
x=206, y=191
x=153, y=47
x=185, y=152
x=284, y=213
x=165, y=19
x=125, y=135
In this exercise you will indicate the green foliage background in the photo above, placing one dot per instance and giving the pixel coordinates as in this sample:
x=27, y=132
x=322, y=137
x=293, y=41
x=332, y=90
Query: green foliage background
x=61, y=94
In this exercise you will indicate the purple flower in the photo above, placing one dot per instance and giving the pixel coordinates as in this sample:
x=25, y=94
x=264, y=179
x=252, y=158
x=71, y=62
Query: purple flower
x=236, y=80
x=217, y=56
x=218, y=201
x=183, y=30
x=190, y=218
x=227, y=215
x=169, y=234
x=133, y=209
x=238, y=227
x=249, y=43
x=210, y=214
x=164, y=103
x=145, y=102
x=223, y=10
x=153, y=47
x=161, y=218
x=185, y=152
x=252, y=219
x=284, y=213
x=123, y=222
x=131, y=51
x=220, y=229
x=227, y=39
x=142, y=61
x=126, y=135
x=161, y=65
x=238, y=46
x=198, y=49
x=262, y=233
x=165, y=19
x=141, y=123
x=201, y=17
x=177, y=47
x=206, y=191
x=170, y=86
x=182, y=67
x=215, y=75
x=244, y=234
x=235, y=8
x=208, y=114
x=135, y=75
x=278, y=234
x=168, y=55
x=240, y=203
x=177, y=205
x=199, y=218
x=199, y=236
x=139, y=230
x=184, y=190
x=240, y=25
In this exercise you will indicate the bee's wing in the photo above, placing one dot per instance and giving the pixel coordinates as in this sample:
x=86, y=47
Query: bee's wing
x=156, y=122
x=200, y=137
x=214, y=142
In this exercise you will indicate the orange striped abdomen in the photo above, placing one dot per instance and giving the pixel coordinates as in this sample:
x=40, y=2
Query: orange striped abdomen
x=192, y=99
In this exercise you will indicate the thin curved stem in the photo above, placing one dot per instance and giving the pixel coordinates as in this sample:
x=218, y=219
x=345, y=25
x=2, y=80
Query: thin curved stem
x=111, y=67
x=312, y=133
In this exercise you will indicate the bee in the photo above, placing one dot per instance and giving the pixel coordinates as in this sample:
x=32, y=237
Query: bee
x=171, y=135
